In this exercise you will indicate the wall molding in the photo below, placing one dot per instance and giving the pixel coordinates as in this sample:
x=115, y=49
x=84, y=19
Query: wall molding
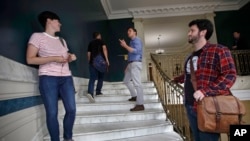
x=17, y=89
x=171, y=9
x=174, y=10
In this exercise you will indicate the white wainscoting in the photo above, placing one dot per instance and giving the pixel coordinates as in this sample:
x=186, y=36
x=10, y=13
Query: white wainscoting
x=241, y=87
x=25, y=125
x=20, y=81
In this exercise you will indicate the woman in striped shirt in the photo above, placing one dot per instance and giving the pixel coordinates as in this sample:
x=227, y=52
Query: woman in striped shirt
x=50, y=52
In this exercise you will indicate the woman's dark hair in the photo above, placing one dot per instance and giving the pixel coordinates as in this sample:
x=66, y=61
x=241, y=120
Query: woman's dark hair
x=43, y=16
x=95, y=34
x=203, y=24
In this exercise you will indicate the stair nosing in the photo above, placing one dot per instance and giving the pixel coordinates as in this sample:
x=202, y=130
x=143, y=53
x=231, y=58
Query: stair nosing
x=120, y=114
x=113, y=102
x=114, y=89
x=125, y=129
x=166, y=123
x=111, y=95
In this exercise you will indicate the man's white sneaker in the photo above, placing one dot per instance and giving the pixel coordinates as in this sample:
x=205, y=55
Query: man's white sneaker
x=91, y=98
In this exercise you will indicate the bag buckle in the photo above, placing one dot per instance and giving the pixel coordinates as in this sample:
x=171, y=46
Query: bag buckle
x=218, y=114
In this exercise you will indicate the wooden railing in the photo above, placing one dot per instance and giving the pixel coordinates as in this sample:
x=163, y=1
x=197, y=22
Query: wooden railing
x=242, y=61
x=171, y=96
x=171, y=64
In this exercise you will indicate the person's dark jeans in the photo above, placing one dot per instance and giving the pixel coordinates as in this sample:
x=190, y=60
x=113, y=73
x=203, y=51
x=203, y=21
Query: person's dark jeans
x=197, y=134
x=51, y=88
x=95, y=75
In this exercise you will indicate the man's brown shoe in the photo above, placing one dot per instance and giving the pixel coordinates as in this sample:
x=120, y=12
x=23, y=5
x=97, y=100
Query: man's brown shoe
x=137, y=108
x=132, y=99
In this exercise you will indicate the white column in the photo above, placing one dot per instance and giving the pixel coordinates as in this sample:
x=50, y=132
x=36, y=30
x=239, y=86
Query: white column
x=210, y=16
x=140, y=33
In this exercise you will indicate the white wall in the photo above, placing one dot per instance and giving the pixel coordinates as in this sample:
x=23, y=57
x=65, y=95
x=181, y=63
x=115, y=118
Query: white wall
x=20, y=81
x=173, y=39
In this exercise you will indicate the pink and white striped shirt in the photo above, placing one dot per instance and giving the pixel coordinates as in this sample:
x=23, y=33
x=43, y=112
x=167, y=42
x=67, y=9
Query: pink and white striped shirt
x=51, y=46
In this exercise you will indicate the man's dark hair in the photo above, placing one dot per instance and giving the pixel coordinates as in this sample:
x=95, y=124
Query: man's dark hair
x=95, y=34
x=43, y=16
x=203, y=24
x=133, y=29
x=238, y=31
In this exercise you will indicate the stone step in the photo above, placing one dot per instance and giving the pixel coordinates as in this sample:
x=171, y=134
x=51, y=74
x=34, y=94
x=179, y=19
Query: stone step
x=118, y=116
x=149, y=90
x=110, y=97
x=121, y=85
x=168, y=136
x=111, y=131
x=118, y=85
x=115, y=105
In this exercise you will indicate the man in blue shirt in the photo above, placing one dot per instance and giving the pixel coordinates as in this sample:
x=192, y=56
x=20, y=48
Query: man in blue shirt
x=132, y=78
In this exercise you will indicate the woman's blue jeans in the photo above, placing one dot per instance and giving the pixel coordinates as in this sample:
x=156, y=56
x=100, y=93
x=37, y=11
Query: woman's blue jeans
x=199, y=135
x=51, y=88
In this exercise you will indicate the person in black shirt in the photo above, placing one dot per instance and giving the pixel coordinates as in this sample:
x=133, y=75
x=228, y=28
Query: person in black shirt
x=95, y=47
x=239, y=42
x=189, y=89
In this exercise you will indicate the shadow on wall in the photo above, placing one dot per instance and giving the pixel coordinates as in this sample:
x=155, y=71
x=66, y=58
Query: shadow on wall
x=79, y=19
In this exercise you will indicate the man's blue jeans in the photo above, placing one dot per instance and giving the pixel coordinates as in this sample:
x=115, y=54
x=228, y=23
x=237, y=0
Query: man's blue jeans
x=197, y=134
x=95, y=75
x=51, y=88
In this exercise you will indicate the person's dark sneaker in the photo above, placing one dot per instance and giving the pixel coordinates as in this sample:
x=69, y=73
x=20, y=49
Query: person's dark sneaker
x=91, y=98
x=98, y=94
x=68, y=140
x=137, y=108
x=132, y=99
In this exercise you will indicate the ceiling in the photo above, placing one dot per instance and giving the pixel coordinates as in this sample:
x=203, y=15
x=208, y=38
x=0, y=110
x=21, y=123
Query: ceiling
x=116, y=9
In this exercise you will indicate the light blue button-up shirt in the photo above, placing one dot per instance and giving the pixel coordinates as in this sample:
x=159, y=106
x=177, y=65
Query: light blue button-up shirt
x=136, y=55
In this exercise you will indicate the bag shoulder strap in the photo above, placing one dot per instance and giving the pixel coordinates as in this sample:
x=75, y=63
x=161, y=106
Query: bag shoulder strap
x=61, y=40
x=239, y=109
x=218, y=113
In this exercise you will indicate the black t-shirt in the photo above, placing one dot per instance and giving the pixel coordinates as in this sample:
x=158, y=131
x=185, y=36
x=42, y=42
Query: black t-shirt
x=188, y=87
x=95, y=48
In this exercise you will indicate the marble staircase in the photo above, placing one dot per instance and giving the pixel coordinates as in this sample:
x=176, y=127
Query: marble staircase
x=110, y=119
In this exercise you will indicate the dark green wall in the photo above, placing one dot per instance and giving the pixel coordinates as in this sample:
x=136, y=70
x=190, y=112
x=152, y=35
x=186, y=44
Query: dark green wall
x=79, y=19
x=229, y=21
x=112, y=31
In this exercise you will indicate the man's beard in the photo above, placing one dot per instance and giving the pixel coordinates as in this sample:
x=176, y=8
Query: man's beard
x=194, y=39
